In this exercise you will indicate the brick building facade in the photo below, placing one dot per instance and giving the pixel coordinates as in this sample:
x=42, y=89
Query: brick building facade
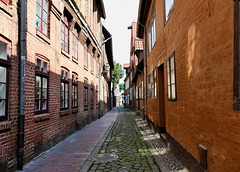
x=191, y=79
x=63, y=73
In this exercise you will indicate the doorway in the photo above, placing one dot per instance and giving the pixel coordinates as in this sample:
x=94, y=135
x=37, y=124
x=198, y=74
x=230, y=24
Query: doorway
x=161, y=98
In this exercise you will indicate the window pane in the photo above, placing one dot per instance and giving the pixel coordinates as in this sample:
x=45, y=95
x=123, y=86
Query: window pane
x=38, y=22
x=44, y=93
x=66, y=47
x=173, y=91
x=37, y=104
x=45, y=5
x=38, y=81
x=62, y=43
x=167, y=66
x=2, y=91
x=45, y=69
x=62, y=36
x=38, y=66
x=38, y=93
x=66, y=77
x=3, y=51
x=3, y=72
x=39, y=1
x=2, y=107
x=44, y=104
x=44, y=28
x=172, y=77
x=169, y=92
x=66, y=103
x=66, y=95
x=172, y=63
x=168, y=8
x=44, y=17
x=62, y=74
x=38, y=10
x=62, y=103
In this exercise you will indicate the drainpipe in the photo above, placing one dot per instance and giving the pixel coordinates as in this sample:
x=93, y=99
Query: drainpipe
x=100, y=76
x=20, y=150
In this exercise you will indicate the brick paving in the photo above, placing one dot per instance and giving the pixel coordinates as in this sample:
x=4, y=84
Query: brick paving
x=70, y=154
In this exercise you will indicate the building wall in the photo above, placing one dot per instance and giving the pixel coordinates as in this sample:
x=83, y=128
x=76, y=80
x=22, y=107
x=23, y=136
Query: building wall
x=44, y=130
x=201, y=35
x=8, y=128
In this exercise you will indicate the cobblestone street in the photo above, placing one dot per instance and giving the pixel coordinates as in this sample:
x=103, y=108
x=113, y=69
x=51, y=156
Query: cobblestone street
x=125, y=141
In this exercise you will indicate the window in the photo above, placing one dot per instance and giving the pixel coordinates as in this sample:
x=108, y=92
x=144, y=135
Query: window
x=75, y=44
x=236, y=78
x=153, y=26
x=41, y=84
x=130, y=93
x=142, y=88
x=92, y=94
x=85, y=55
x=64, y=33
x=171, y=78
x=137, y=89
x=154, y=84
x=92, y=63
x=42, y=16
x=169, y=7
x=5, y=1
x=85, y=92
x=149, y=86
x=4, y=72
x=64, y=88
x=149, y=38
x=97, y=95
x=97, y=68
x=74, y=90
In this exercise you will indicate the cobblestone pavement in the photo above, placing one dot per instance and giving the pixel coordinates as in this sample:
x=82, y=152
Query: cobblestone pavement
x=125, y=141
x=161, y=148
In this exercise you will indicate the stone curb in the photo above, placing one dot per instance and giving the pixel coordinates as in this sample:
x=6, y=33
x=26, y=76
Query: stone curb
x=88, y=163
x=162, y=165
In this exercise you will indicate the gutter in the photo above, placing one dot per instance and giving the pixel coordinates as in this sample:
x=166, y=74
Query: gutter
x=21, y=122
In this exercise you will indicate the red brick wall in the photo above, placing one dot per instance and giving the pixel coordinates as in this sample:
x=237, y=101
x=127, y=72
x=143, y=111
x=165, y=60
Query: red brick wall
x=8, y=128
x=201, y=35
x=45, y=130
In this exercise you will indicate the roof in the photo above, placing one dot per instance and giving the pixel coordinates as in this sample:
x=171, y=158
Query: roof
x=138, y=44
x=101, y=8
x=143, y=10
x=126, y=66
x=108, y=46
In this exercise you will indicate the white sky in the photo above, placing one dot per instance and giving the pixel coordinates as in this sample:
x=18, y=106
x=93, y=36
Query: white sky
x=119, y=15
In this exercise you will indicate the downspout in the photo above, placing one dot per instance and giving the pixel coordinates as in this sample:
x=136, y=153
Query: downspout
x=100, y=75
x=20, y=150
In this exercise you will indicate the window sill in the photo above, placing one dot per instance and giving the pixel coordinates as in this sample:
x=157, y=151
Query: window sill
x=64, y=112
x=75, y=110
x=6, y=8
x=74, y=60
x=65, y=53
x=86, y=68
x=92, y=107
x=85, y=108
x=42, y=117
x=92, y=72
x=97, y=75
x=6, y=125
x=43, y=37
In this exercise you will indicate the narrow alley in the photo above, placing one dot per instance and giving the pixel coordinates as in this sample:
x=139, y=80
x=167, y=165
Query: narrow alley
x=120, y=142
